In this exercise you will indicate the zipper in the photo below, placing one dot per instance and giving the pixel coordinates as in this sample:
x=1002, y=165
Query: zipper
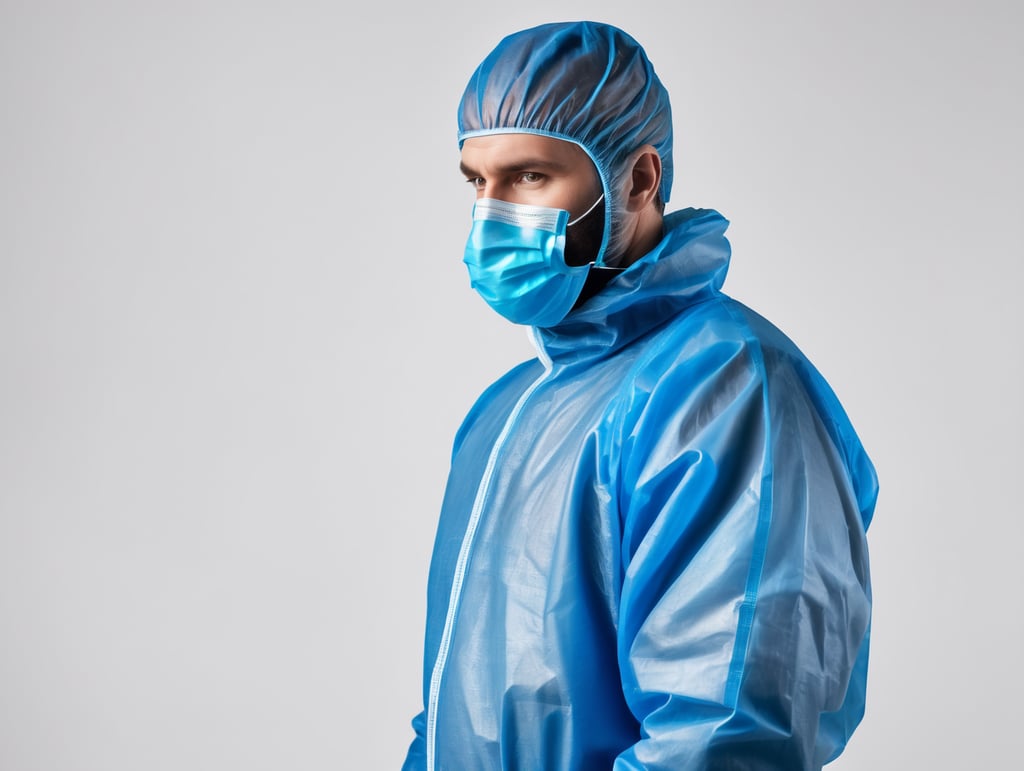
x=463, y=560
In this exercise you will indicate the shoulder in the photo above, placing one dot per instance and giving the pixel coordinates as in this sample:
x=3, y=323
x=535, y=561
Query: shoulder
x=725, y=350
x=710, y=342
x=718, y=350
x=498, y=399
x=721, y=331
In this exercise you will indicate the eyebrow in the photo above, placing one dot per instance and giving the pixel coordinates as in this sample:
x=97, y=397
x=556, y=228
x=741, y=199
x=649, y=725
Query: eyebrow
x=526, y=164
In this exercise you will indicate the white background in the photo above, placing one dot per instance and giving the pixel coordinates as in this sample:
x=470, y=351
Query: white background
x=236, y=340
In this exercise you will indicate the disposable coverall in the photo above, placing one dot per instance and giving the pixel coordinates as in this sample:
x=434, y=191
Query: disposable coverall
x=651, y=551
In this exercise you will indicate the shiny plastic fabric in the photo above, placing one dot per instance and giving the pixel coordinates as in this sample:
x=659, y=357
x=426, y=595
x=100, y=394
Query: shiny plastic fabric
x=651, y=552
x=584, y=82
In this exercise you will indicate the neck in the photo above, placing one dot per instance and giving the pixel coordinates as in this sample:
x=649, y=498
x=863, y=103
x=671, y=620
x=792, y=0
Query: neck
x=647, y=232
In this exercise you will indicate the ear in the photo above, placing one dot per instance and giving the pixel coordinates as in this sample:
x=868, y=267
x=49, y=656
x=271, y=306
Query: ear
x=645, y=178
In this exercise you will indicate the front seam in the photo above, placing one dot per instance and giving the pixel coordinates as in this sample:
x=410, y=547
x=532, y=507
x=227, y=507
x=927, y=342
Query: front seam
x=461, y=564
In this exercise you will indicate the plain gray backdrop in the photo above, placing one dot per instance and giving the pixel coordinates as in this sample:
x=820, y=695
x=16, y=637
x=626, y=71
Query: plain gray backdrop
x=236, y=340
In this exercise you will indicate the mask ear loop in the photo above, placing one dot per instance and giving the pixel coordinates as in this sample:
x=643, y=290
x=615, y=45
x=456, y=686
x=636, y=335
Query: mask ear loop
x=592, y=207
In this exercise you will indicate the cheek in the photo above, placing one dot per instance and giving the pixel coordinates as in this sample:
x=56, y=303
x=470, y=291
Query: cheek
x=569, y=192
x=592, y=190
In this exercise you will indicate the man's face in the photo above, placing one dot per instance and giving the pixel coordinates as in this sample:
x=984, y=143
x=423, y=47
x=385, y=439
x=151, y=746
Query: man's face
x=539, y=171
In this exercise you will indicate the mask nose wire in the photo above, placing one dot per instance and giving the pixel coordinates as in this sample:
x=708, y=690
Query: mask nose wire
x=592, y=207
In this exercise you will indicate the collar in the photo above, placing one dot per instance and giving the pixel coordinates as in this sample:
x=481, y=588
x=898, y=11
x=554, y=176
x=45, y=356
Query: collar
x=687, y=266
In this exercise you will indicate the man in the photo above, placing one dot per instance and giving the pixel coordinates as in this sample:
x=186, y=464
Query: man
x=651, y=551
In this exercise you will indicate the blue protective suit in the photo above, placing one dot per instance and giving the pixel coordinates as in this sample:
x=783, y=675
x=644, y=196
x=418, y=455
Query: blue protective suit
x=651, y=552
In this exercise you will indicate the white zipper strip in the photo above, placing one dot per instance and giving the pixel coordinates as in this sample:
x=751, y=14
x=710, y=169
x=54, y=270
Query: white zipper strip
x=461, y=563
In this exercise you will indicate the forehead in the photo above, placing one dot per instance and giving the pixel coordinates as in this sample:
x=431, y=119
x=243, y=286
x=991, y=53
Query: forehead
x=516, y=151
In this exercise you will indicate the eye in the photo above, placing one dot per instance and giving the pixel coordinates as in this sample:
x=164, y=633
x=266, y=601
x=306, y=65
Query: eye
x=530, y=177
x=476, y=182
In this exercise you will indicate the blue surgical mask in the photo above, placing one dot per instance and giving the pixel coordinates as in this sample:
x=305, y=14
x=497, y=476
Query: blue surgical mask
x=516, y=260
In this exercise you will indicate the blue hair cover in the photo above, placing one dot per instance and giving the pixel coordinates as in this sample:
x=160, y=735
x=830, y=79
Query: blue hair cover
x=585, y=82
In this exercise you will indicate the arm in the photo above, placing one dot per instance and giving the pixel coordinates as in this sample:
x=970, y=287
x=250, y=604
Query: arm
x=416, y=758
x=745, y=597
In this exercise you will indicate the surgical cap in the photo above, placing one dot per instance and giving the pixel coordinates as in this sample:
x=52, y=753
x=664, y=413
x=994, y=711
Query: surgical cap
x=586, y=82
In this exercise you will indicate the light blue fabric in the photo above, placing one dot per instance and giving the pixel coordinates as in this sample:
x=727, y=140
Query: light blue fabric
x=515, y=255
x=584, y=82
x=651, y=552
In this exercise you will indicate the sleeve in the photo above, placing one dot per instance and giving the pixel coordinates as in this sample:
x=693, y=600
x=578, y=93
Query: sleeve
x=416, y=757
x=745, y=601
